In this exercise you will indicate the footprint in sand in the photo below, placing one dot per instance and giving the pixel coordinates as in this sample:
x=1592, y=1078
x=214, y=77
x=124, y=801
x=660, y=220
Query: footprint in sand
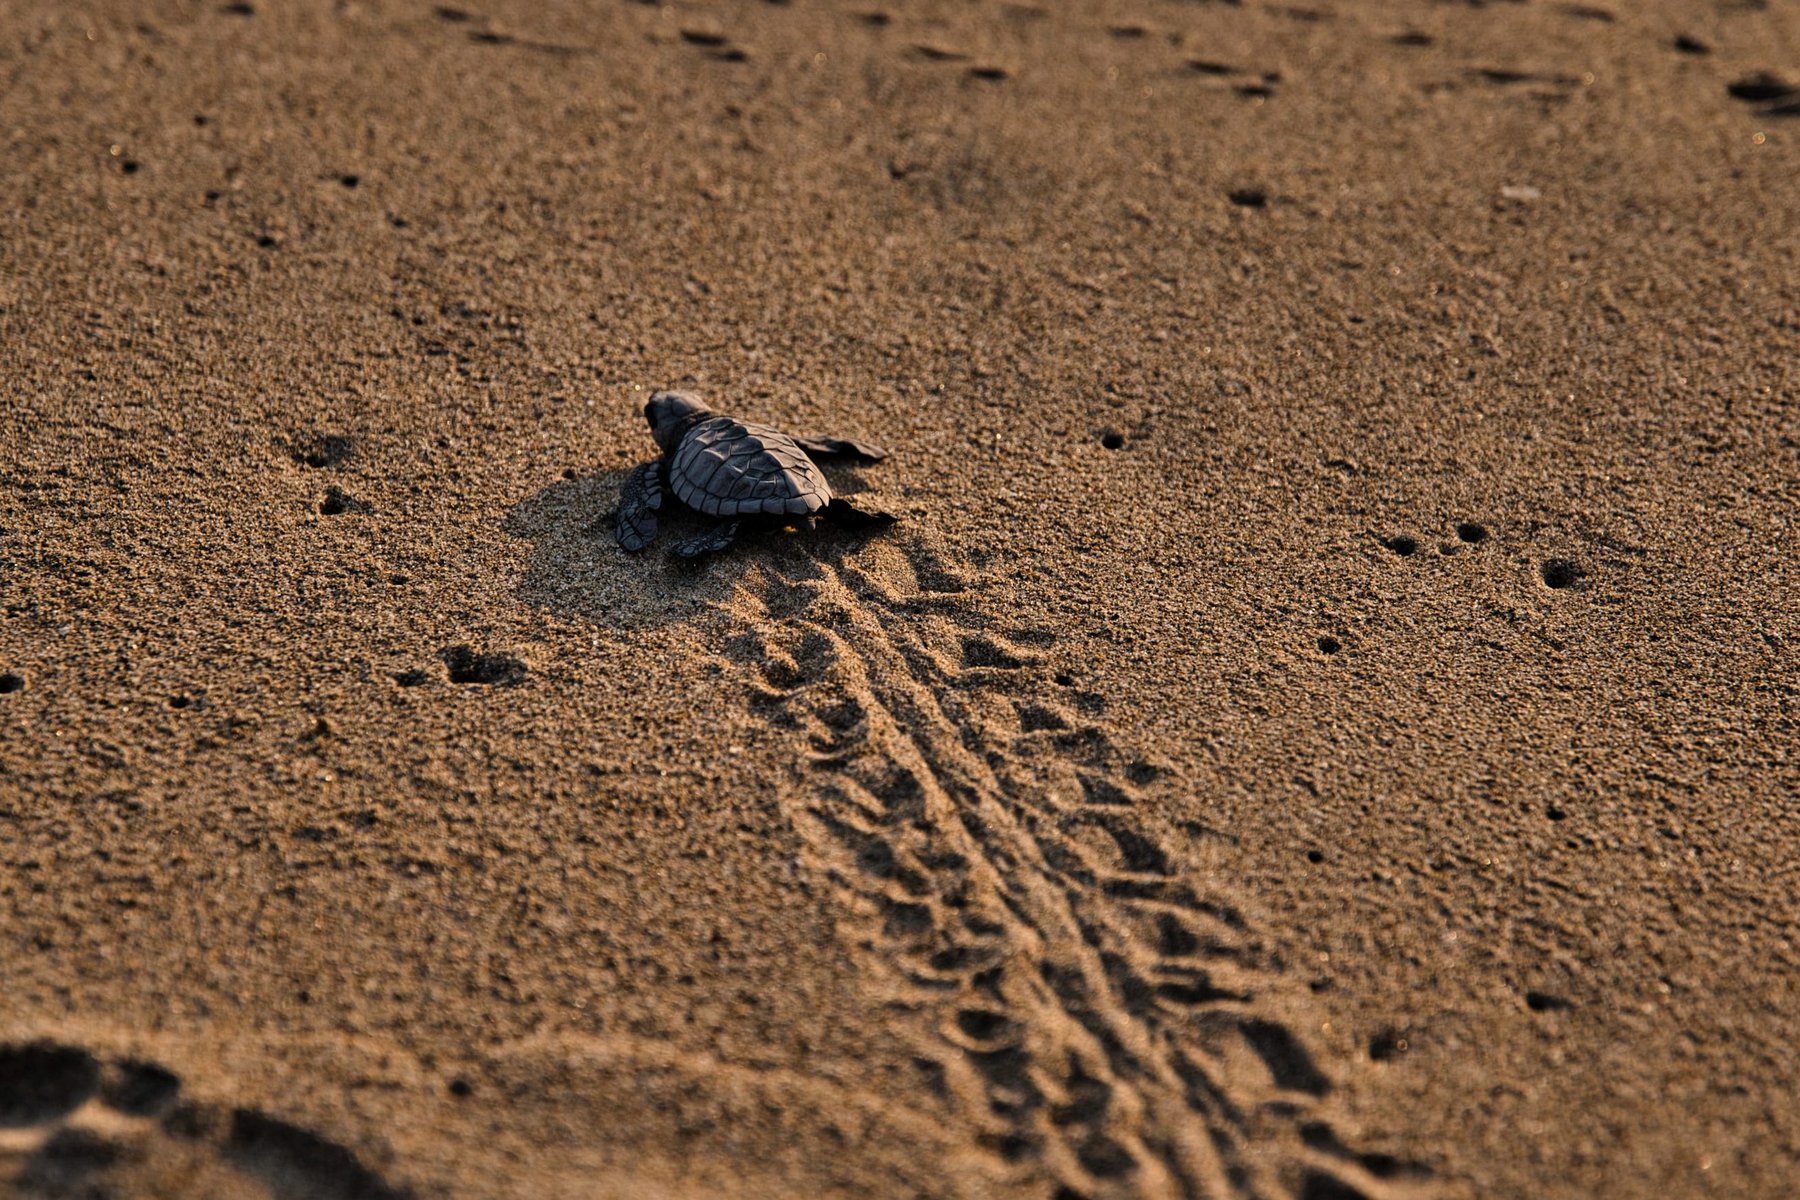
x=76, y=1125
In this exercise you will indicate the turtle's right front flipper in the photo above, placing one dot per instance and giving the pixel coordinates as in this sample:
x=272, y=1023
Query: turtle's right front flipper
x=842, y=448
x=845, y=515
x=639, y=499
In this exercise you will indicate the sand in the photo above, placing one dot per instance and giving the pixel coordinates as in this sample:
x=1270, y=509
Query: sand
x=1323, y=726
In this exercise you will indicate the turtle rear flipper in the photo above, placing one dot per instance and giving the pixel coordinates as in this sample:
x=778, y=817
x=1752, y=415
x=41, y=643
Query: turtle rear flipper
x=639, y=498
x=845, y=515
x=711, y=542
x=842, y=448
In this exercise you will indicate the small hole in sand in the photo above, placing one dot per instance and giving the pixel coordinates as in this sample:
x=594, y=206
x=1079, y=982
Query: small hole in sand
x=1315, y=856
x=1471, y=533
x=1329, y=645
x=350, y=181
x=1248, y=197
x=1402, y=545
x=325, y=451
x=1555, y=813
x=180, y=701
x=461, y=1087
x=1759, y=87
x=1561, y=573
x=1112, y=440
x=466, y=666
x=11, y=682
x=337, y=502
x=1545, y=1002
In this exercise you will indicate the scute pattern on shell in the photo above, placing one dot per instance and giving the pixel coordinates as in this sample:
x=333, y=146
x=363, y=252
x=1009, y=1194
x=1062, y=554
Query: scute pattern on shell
x=729, y=468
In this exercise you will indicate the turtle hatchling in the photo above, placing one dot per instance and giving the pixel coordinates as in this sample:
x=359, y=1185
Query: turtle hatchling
x=734, y=470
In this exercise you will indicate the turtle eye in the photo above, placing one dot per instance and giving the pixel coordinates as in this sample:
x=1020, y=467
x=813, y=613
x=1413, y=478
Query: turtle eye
x=650, y=413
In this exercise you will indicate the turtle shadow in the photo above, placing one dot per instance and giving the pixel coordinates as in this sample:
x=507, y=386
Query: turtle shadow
x=576, y=568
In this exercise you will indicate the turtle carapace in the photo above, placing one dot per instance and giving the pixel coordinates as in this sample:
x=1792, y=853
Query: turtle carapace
x=734, y=470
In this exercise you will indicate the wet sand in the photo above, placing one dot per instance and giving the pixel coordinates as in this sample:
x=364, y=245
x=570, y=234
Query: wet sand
x=1322, y=727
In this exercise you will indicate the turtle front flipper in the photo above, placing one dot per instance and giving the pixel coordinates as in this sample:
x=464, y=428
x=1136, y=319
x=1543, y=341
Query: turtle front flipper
x=842, y=448
x=711, y=542
x=845, y=515
x=639, y=498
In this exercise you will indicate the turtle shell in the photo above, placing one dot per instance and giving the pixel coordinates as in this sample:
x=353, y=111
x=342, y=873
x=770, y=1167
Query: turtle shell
x=730, y=468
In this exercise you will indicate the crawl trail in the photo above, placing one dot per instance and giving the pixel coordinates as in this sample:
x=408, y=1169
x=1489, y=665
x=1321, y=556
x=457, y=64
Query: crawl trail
x=1100, y=1015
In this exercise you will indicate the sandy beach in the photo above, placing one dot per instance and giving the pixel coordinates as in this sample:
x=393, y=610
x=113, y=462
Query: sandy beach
x=1323, y=725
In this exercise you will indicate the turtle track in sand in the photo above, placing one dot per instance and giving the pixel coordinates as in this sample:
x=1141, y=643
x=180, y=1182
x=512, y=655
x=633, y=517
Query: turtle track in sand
x=1102, y=1017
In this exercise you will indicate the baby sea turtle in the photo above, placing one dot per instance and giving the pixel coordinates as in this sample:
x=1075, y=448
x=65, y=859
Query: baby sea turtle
x=734, y=470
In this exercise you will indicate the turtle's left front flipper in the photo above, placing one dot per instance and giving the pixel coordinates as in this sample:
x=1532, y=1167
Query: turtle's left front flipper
x=639, y=498
x=842, y=448
x=845, y=515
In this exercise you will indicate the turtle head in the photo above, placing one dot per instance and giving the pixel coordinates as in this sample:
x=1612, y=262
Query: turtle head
x=669, y=414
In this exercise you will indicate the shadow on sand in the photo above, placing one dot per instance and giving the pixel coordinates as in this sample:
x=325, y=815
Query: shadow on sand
x=577, y=569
